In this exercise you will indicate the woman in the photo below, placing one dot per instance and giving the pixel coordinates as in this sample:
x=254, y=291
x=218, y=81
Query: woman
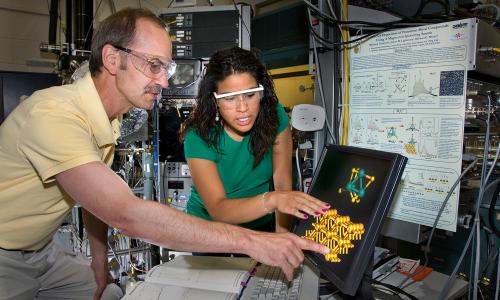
x=237, y=143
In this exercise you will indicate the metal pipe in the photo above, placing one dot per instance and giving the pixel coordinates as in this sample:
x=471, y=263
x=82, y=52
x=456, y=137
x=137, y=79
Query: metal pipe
x=54, y=8
x=69, y=23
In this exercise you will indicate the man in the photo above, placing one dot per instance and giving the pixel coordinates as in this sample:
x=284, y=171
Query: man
x=55, y=149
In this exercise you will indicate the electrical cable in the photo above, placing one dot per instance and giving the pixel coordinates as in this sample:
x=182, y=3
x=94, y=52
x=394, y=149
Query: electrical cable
x=386, y=290
x=330, y=45
x=403, y=22
x=482, y=6
x=478, y=256
x=471, y=265
x=327, y=23
x=331, y=20
x=114, y=254
x=443, y=205
x=498, y=278
x=345, y=79
x=487, y=269
x=484, y=180
x=322, y=95
x=493, y=165
x=362, y=39
x=391, y=287
x=156, y=151
x=488, y=242
x=447, y=285
x=486, y=144
x=299, y=168
x=493, y=201
x=330, y=7
x=324, y=42
x=339, y=90
x=436, y=220
x=476, y=222
x=318, y=11
x=491, y=212
x=318, y=72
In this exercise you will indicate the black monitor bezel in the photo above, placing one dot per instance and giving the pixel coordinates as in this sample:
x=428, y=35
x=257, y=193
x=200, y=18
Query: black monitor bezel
x=364, y=253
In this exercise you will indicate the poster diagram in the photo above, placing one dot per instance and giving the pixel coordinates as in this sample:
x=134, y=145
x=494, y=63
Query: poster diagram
x=422, y=137
x=424, y=85
x=421, y=193
x=429, y=87
x=407, y=95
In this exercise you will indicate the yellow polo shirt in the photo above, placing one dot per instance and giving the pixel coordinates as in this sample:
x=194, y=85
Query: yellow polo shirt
x=53, y=130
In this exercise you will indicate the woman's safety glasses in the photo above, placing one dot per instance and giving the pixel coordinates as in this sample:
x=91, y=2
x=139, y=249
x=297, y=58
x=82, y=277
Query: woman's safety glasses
x=248, y=96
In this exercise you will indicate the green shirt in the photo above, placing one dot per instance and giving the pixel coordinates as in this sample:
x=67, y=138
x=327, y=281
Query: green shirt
x=234, y=163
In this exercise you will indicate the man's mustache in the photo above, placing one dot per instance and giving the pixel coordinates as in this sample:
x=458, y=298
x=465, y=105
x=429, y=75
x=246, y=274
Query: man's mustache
x=153, y=89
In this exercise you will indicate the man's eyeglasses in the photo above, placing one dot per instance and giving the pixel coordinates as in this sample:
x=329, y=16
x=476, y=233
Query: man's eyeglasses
x=248, y=96
x=150, y=66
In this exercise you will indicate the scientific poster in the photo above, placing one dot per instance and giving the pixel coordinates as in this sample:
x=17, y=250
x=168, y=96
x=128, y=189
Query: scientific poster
x=407, y=95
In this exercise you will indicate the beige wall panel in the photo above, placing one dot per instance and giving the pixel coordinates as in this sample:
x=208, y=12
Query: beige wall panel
x=23, y=26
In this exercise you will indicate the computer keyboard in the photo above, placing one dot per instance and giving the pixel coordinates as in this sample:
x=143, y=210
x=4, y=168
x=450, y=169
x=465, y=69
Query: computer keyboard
x=270, y=283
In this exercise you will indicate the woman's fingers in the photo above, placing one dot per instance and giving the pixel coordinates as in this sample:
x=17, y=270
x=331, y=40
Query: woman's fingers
x=300, y=204
x=311, y=205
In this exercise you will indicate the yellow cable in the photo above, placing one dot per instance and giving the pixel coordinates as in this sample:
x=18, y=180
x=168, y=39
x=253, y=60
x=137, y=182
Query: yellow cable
x=345, y=62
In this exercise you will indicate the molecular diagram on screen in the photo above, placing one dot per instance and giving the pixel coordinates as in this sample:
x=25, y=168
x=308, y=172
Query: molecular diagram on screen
x=358, y=184
x=336, y=232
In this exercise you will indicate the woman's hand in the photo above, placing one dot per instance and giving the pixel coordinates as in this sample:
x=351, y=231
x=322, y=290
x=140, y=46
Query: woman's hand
x=294, y=203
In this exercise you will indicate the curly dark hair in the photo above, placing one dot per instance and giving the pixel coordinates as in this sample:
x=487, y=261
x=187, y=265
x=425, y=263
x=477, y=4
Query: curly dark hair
x=223, y=64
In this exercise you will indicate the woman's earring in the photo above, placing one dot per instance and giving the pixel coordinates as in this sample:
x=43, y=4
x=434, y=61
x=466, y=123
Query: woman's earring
x=217, y=115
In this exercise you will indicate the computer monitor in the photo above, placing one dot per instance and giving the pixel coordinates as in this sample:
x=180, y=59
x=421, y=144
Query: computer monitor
x=360, y=185
x=184, y=82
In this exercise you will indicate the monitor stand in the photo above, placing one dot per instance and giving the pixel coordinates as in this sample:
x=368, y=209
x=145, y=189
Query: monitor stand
x=365, y=290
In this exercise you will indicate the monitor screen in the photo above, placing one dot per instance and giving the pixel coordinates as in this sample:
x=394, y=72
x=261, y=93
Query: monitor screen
x=184, y=82
x=184, y=75
x=360, y=185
